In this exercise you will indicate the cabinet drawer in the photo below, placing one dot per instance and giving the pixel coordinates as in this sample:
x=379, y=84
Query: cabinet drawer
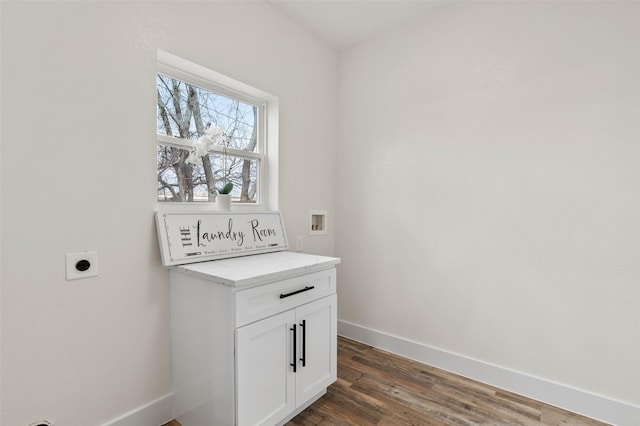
x=260, y=302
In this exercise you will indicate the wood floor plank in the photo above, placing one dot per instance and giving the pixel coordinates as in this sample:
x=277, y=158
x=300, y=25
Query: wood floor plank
x=377, y=388
x=406, y=392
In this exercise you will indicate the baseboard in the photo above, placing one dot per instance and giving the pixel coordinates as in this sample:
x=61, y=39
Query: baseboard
x=565, y=397
x=155, y=413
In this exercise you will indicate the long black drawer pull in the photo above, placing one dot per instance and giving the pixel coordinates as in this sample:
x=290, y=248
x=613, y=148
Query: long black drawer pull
x=295, y=343
x=307, y=288
x=303, y=326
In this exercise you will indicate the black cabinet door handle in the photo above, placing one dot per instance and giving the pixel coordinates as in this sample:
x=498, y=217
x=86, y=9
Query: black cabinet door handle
x=295, y=361
x=307, y=288
x=303, y=326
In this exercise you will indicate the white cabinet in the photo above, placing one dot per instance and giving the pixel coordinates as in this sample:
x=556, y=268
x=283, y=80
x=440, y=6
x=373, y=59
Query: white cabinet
x=317, y=337
x=284, y=361
x=266, y=384
x=257, y=353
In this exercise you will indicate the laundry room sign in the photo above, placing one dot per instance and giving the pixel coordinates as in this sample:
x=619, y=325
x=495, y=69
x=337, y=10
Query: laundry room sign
x=196, y=237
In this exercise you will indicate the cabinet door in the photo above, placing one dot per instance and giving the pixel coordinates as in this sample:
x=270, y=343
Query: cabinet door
x=265, y=380
x=317, y=347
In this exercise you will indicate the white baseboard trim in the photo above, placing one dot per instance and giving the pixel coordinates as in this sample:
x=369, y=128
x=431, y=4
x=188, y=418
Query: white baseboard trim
x=155, y=413
x=562, y=396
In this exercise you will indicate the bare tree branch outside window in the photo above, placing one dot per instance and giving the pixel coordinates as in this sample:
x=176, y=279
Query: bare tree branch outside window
x=188, y=113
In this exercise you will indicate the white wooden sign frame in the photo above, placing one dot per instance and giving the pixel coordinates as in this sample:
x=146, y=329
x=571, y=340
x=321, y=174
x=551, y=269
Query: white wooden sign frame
x=188, y=237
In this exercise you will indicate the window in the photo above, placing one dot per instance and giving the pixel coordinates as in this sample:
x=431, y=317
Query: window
x=208, y=136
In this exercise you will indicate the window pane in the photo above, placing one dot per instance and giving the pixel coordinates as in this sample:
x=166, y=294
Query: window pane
x=181, y=177
x=243, y=173
x=186, y=111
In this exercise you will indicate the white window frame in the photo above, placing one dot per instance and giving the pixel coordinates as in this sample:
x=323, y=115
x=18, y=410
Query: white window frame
x=267, y=143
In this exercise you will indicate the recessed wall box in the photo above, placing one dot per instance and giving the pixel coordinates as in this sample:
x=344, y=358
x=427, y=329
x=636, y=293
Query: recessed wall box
x=317, y=222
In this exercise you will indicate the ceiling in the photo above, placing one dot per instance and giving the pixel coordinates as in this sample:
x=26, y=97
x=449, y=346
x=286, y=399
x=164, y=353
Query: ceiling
x=346, y=23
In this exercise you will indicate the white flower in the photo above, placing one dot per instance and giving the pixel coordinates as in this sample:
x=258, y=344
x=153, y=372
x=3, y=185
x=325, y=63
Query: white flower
x=205, y=144
x=216, y=132
x=192, y=158
x=202, y=146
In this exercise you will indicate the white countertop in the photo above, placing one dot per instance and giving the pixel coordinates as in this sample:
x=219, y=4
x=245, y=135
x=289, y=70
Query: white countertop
x=247, y=271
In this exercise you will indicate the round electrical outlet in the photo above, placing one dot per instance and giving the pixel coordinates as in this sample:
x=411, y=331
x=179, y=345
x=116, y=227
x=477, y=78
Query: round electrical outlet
x=82, y=265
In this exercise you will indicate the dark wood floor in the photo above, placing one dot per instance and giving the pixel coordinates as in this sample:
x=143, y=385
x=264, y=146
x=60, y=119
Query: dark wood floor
x=375, y=387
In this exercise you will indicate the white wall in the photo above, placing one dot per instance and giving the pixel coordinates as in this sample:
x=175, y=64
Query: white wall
x=78, y=173
x=490, y=166
x=488, y=195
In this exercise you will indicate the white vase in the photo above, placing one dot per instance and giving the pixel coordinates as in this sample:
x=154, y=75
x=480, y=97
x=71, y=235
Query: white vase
x=223, y=202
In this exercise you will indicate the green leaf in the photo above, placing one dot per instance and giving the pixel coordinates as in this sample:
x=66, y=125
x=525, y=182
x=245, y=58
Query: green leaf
x=226, y=189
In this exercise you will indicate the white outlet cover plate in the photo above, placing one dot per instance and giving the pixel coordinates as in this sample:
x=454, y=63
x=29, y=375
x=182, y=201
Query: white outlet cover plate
x=74, y=258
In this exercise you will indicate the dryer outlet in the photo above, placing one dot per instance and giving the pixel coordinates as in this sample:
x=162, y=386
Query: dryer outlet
x=82, y=265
